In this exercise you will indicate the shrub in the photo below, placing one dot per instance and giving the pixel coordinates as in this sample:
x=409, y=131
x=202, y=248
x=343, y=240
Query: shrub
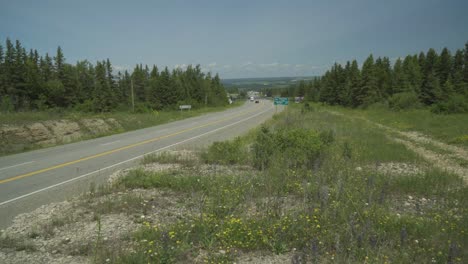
x=226, y=152
x=402, y=101
x=453, y=105
x=298, y=147
x=6, y=104
x=86, y=106
x=327, y=137
x=263, y=148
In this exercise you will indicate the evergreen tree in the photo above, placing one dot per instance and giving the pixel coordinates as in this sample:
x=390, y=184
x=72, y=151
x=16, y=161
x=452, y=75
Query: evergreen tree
x=2, y=73
x=355, y=82
x=369, y=91
x=400, y=83
x=167, y=93
x=431, y=80
x=47, y=68
x=444, y=65
x=457, y=74
x=344, y=93
x=413, y=74
x=33, y=79
x=431, y=90
x=383, y=74
x=155, y=89
x=446, y=91
x=103, y=97
x=465, y=68
x=59, y=60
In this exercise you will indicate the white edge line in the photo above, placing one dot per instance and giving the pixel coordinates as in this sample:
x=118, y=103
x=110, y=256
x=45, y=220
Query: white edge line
x=108, y=143
x=125, y=161
x=9, y=167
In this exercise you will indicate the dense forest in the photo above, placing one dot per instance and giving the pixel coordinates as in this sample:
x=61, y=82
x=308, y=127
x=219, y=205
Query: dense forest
x=439, y=81
x=29, y=81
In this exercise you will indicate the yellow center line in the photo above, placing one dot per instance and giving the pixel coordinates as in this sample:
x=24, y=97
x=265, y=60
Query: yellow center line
x=121, y=148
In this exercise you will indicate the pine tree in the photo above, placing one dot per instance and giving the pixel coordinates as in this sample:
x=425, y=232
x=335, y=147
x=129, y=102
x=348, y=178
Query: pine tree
x=155, y=89
x=2, y=73
x=412, y=73
x=383, y=75
x=33, y=79
x=219, y=91
x=431, y=91
x=465, y=68
x=457, y=74
x=59, y=60
x=431, y=80
x=446, y=91
x=168, y=95
x=47, y=68
x=400, y=82
x=344, y=93
x=368, y=93
x=444, y=65
x=103, y=97
x=139, y=83
x=355, y=82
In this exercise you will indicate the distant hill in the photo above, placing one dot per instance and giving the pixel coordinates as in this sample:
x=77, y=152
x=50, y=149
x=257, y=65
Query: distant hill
x=261, y=83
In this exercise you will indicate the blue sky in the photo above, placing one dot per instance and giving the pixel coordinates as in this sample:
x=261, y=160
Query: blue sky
x=235, y=38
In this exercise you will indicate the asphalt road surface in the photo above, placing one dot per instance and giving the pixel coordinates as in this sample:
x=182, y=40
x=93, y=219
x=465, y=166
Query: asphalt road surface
x=29, y=180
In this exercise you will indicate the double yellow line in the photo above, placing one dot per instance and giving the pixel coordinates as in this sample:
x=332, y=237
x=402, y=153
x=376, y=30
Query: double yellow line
x=121, y=148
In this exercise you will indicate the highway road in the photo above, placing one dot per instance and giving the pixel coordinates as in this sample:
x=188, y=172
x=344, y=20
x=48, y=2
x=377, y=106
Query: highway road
x=29, y=180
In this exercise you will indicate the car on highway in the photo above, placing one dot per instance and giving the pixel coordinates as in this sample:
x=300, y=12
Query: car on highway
x=257, y=101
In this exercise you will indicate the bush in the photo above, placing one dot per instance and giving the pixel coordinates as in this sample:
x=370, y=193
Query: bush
x=297, y=147
x=86, y=106
x=6, y=104
x=263, y=148
x=142, y=108
x=226, y=152
x=402, y=101
x=453, y=105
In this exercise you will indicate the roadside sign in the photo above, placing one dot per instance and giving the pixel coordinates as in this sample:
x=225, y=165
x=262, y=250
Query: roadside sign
x=182, y=107
x=281, y=101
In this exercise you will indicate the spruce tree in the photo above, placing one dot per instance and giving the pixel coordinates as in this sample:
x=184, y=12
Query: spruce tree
x=103, y=97
x=400, y=82
x=47, y=68
x=368, y=93
x=465, y=68
x=444, y=65
x=431, y=91
x=59, y=60
x=412, y=73
x=355, y=82
x=457, y=74
x=2, y=73
x=383, y=75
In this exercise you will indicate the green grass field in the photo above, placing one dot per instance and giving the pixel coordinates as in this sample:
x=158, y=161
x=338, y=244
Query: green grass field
x=451, y=129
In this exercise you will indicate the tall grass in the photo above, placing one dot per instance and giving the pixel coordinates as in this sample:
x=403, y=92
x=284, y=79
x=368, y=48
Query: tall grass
x=451, y=128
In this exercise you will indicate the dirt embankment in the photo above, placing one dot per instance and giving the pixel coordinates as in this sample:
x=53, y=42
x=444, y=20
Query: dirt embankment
x=15, y=138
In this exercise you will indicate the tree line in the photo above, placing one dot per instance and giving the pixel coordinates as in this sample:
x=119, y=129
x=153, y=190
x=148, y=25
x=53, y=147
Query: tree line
x=29, y=81
x=439, y=81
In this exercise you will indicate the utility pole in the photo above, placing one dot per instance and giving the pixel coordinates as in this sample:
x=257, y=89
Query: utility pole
x=133, y=98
